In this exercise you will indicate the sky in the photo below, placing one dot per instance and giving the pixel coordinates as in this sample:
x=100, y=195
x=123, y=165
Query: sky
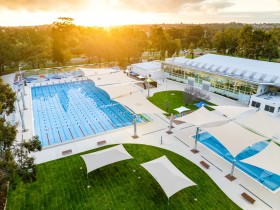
x=122, y=12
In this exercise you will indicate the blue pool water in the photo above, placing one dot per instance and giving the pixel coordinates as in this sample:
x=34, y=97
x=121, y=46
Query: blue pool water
x=68, y=111
x=268, y=179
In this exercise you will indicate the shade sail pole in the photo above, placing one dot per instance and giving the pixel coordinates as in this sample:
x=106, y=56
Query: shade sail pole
x=194, y=150
x=230, y=176
x=232, y=168
x=168, y=204
x=196, y=137
x=170, y=124
x=134, y=125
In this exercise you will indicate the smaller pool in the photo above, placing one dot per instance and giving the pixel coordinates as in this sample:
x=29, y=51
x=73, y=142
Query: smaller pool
x=266, y=178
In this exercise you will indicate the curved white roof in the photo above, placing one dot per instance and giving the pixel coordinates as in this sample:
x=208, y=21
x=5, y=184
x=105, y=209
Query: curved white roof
x=255, y=71
x=153, y=65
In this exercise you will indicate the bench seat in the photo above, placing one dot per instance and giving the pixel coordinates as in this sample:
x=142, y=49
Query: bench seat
x=205, y=165
x=248, y=198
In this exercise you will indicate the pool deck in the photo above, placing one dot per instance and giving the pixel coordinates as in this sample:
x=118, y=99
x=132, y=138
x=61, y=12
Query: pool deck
x=150, y=133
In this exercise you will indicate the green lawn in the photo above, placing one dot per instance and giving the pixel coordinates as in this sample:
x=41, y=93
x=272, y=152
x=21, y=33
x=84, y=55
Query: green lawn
x=173, y=98
x=61, y=184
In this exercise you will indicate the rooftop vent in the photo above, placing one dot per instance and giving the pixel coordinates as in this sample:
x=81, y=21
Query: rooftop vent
x=252, y=75
x=243, y=73
x=217, y=69
x=233, y=72
x=204, y=65
x=262, y=77
x=225, y=70
x=273, y=79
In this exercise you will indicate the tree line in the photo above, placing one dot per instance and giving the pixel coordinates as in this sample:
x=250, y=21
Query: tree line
x=56, y=44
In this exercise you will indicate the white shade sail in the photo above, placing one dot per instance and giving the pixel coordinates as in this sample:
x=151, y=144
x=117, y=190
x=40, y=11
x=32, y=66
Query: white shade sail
x=234, y=137
x=181, y=109
x=138, y=103
x=232, y=111
x=167, y=175
x=119, y=90
x=267, y=159
x=262, y=123
x=105, y=157
x=201, y=117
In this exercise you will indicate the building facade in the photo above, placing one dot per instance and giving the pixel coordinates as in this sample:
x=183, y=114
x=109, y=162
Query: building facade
x=256, y=83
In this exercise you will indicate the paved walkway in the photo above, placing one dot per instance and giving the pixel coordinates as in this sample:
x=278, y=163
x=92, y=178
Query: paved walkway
x=150, y=134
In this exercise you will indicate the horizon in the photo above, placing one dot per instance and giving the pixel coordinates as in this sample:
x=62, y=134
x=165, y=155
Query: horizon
x=131, y=12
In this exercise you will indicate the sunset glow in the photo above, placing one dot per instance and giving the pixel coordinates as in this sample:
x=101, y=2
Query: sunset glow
x=120, y=12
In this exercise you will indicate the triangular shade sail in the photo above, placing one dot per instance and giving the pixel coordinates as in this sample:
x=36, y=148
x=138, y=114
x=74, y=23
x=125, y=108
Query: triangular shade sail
x=116, y=91
x=234, y=137
x=201, y=117
x=267, y=159
x=105, y=157
x=138, y=103
x=181, y=109
x=262, y=123
x=232, y=111
x=167, y=175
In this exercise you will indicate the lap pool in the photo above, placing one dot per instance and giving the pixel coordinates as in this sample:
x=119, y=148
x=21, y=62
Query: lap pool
x=68, y=111
x=266, y=178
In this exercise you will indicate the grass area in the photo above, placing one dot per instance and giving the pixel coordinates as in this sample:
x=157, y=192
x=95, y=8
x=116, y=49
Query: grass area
x=61, y=184
x=170, y=100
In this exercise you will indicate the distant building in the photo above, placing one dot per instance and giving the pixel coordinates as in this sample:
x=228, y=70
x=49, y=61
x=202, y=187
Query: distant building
x=151, y=69
x=254, y=82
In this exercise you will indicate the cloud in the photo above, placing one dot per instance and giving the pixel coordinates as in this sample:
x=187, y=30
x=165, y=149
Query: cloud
x=43, y=5
x=173, y=6
x=157, y=6
x=208, y=7
x=257, y=17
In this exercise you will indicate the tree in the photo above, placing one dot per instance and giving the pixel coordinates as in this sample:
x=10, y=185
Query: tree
x=61, y=33
x=8, y=52
x=13, y=162
x=34, y=47
x=158, y=40
x=193, y=94
x=270, y=50
x=220, y=42
x=191, y=48
x=26, y=167
x=246, y=46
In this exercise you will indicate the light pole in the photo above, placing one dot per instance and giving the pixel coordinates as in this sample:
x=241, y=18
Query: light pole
x=135, y=136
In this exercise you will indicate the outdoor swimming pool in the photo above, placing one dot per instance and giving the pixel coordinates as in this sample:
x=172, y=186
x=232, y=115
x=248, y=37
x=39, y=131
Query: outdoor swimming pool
x=268, y=179
x=68, y=111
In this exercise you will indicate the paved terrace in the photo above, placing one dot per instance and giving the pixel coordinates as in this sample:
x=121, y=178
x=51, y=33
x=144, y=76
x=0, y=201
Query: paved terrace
x=150, y=133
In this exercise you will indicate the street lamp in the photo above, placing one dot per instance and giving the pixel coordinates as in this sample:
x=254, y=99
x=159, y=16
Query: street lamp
x=148, y=84
x=135, y=136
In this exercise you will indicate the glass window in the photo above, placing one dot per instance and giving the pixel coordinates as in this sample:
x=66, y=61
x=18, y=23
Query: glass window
x=255, y=104
x=269, y=108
